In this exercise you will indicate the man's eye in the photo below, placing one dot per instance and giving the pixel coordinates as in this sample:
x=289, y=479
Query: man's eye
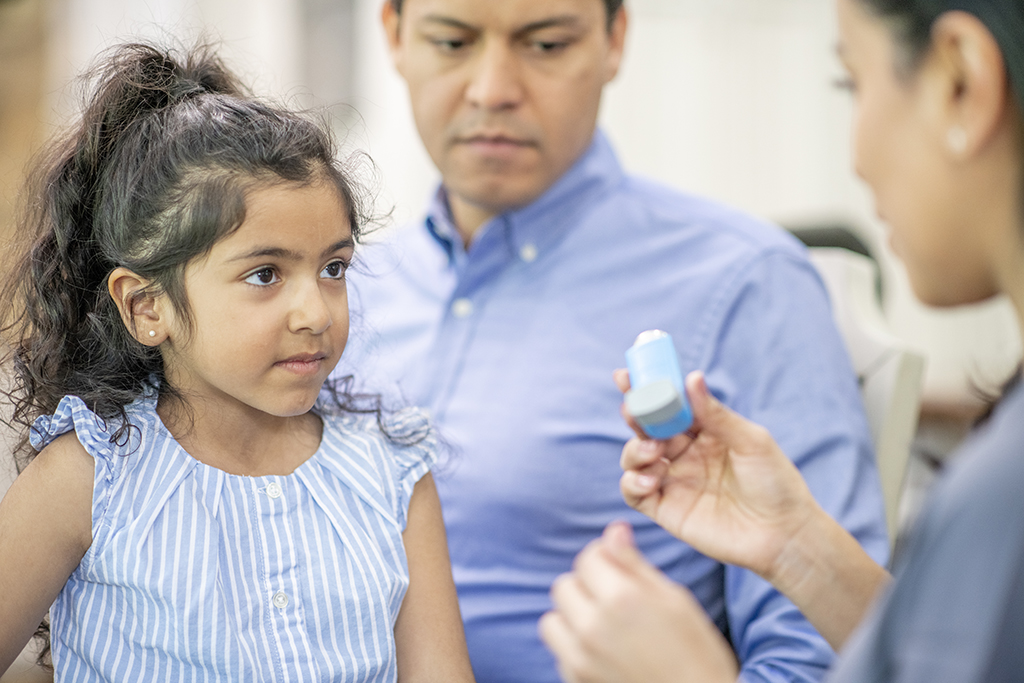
x=549, y=46
x=335, y=270
x=450, y=44
x=263, y=277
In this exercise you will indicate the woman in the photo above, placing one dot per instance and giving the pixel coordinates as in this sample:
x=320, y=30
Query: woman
x=939, y=86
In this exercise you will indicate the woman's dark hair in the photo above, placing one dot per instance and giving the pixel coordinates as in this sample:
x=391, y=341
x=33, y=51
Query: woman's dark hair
x=912, y=22
x=155, y=172
x=611, y=6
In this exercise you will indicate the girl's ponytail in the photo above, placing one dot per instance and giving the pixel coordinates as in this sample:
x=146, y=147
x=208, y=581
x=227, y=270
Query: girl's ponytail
x=154, y=172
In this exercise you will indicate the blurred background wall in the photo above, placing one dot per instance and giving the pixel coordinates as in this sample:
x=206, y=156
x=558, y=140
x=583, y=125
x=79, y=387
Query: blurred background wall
x=728, y=98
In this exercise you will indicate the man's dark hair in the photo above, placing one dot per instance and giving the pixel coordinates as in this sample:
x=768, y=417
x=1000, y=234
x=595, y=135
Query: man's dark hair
x=612, y=6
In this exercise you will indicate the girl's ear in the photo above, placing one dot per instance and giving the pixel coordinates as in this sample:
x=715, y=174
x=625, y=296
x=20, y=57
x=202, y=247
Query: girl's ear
x=143, y=312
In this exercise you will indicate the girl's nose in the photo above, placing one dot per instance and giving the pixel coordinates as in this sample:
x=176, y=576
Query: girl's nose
x=310, y=311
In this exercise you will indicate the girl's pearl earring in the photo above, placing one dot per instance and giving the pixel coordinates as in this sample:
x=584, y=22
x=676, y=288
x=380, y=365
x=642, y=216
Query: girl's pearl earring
x=956, y=138
x=152, y=333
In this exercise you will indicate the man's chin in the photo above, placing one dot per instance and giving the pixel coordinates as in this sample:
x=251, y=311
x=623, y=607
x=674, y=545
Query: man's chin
x=496, y=192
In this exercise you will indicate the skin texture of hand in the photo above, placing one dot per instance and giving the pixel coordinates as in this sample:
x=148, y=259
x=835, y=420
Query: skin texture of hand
x=617, y=619
x=724, y=486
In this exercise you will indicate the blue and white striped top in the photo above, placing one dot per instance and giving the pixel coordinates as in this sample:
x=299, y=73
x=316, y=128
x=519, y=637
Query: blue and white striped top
x=199, y=575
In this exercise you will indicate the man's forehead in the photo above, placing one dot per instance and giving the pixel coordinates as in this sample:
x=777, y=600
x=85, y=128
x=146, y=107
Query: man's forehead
x=510, y=15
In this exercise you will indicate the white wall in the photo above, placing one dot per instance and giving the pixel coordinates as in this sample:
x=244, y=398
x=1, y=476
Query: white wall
x=262, y=39
x=728, y=98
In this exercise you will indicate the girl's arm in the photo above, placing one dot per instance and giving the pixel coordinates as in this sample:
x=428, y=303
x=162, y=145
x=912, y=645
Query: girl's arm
x=45, y=529
x=428, y=635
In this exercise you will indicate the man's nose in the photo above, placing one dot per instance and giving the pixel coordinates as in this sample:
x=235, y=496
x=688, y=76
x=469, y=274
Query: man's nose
x=495, y=82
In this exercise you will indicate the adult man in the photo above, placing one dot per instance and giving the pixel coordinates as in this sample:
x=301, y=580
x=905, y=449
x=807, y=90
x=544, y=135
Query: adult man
x=506, y=309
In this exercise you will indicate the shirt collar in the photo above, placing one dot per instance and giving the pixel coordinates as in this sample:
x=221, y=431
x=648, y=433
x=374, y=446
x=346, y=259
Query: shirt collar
x=543, y=222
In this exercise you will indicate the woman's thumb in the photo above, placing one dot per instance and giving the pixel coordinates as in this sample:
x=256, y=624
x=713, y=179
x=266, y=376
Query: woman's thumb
x=709, y=414
x=619, y=545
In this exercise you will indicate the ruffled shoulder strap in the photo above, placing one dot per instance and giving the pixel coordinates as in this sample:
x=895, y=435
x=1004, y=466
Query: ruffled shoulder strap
x=93, y=432
x=381, y=470
x=413, y=449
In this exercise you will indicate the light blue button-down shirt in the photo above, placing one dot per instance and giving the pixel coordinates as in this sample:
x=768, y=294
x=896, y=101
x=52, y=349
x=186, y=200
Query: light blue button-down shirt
x=511, y=345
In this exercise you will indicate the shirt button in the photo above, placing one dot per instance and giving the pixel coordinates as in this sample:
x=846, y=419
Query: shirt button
x=280, y=599
x=274, y=491
x=462, y=308
x=528, y=253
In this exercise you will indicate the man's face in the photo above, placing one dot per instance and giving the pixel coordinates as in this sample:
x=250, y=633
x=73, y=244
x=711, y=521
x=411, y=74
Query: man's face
x=505, y=93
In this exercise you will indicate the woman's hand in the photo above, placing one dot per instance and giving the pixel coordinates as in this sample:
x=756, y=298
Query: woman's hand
x=617, y=618
x=727, y=489
x=724, y=486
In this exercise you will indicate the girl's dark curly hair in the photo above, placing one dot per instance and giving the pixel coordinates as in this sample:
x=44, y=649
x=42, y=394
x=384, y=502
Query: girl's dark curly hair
x=155, y=172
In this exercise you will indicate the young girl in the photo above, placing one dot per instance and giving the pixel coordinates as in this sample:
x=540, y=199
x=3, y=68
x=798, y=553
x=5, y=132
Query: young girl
x=194, y=513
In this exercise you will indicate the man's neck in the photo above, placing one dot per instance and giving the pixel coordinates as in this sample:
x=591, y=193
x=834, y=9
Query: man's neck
x=468, y=218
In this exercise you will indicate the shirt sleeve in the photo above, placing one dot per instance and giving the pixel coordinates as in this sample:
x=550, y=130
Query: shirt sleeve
x=94, y=434
x=955, y=612
x=414, y=452
x=779, y=361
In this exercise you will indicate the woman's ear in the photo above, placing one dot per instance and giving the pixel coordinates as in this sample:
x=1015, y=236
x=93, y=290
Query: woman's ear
x=976, y=91
x=143, y=312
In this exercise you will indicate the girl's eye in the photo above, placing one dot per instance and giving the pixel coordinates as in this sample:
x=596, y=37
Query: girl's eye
x=263, y=277
x=335, y=270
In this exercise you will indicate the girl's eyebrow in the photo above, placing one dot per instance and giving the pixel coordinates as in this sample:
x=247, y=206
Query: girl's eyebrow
x=288, y=254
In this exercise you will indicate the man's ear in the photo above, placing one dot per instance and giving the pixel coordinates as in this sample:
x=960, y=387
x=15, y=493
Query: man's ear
x=143, y=312
x=617, y=42
x=974, y=91
x=391, y=20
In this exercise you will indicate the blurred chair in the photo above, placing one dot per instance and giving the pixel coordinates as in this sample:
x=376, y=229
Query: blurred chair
x=889, y=373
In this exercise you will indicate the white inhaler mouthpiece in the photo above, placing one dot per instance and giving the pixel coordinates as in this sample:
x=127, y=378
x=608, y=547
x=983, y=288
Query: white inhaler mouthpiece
x=657, y=398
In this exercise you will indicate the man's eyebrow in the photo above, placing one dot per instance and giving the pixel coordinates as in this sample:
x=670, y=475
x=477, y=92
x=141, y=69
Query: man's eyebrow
x=288, y=254
x=562, y=21
x=448, y=21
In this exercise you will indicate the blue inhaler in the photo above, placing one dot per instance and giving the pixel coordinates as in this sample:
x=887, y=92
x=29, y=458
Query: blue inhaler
x=657, y=399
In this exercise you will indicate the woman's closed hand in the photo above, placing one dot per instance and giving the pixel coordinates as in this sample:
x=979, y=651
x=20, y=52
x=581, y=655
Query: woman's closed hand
x=616, y=618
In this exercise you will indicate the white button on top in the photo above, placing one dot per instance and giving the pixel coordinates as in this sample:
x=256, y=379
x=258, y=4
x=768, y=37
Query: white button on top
x=462, y=308
x=280, y=599
x=528, y=253
x=274, y=491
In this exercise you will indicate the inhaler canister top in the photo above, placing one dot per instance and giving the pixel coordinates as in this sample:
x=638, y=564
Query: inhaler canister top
x=657, y=398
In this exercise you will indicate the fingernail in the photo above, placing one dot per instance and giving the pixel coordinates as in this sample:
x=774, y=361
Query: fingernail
x=648, y=446
x=646, y=481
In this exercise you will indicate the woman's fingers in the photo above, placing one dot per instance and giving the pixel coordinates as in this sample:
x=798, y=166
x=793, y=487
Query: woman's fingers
x=621, y=377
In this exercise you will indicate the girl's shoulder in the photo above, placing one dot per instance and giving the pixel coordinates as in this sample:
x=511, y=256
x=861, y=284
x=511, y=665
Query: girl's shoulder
x=401, y=435
x=380, y=457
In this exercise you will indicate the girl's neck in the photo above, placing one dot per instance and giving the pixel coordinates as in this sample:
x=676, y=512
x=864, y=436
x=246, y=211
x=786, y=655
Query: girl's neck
x=240, y=441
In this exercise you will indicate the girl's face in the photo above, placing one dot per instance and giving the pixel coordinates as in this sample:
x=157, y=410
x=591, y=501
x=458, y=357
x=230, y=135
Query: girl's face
x=269, y=305
x=901, y=150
